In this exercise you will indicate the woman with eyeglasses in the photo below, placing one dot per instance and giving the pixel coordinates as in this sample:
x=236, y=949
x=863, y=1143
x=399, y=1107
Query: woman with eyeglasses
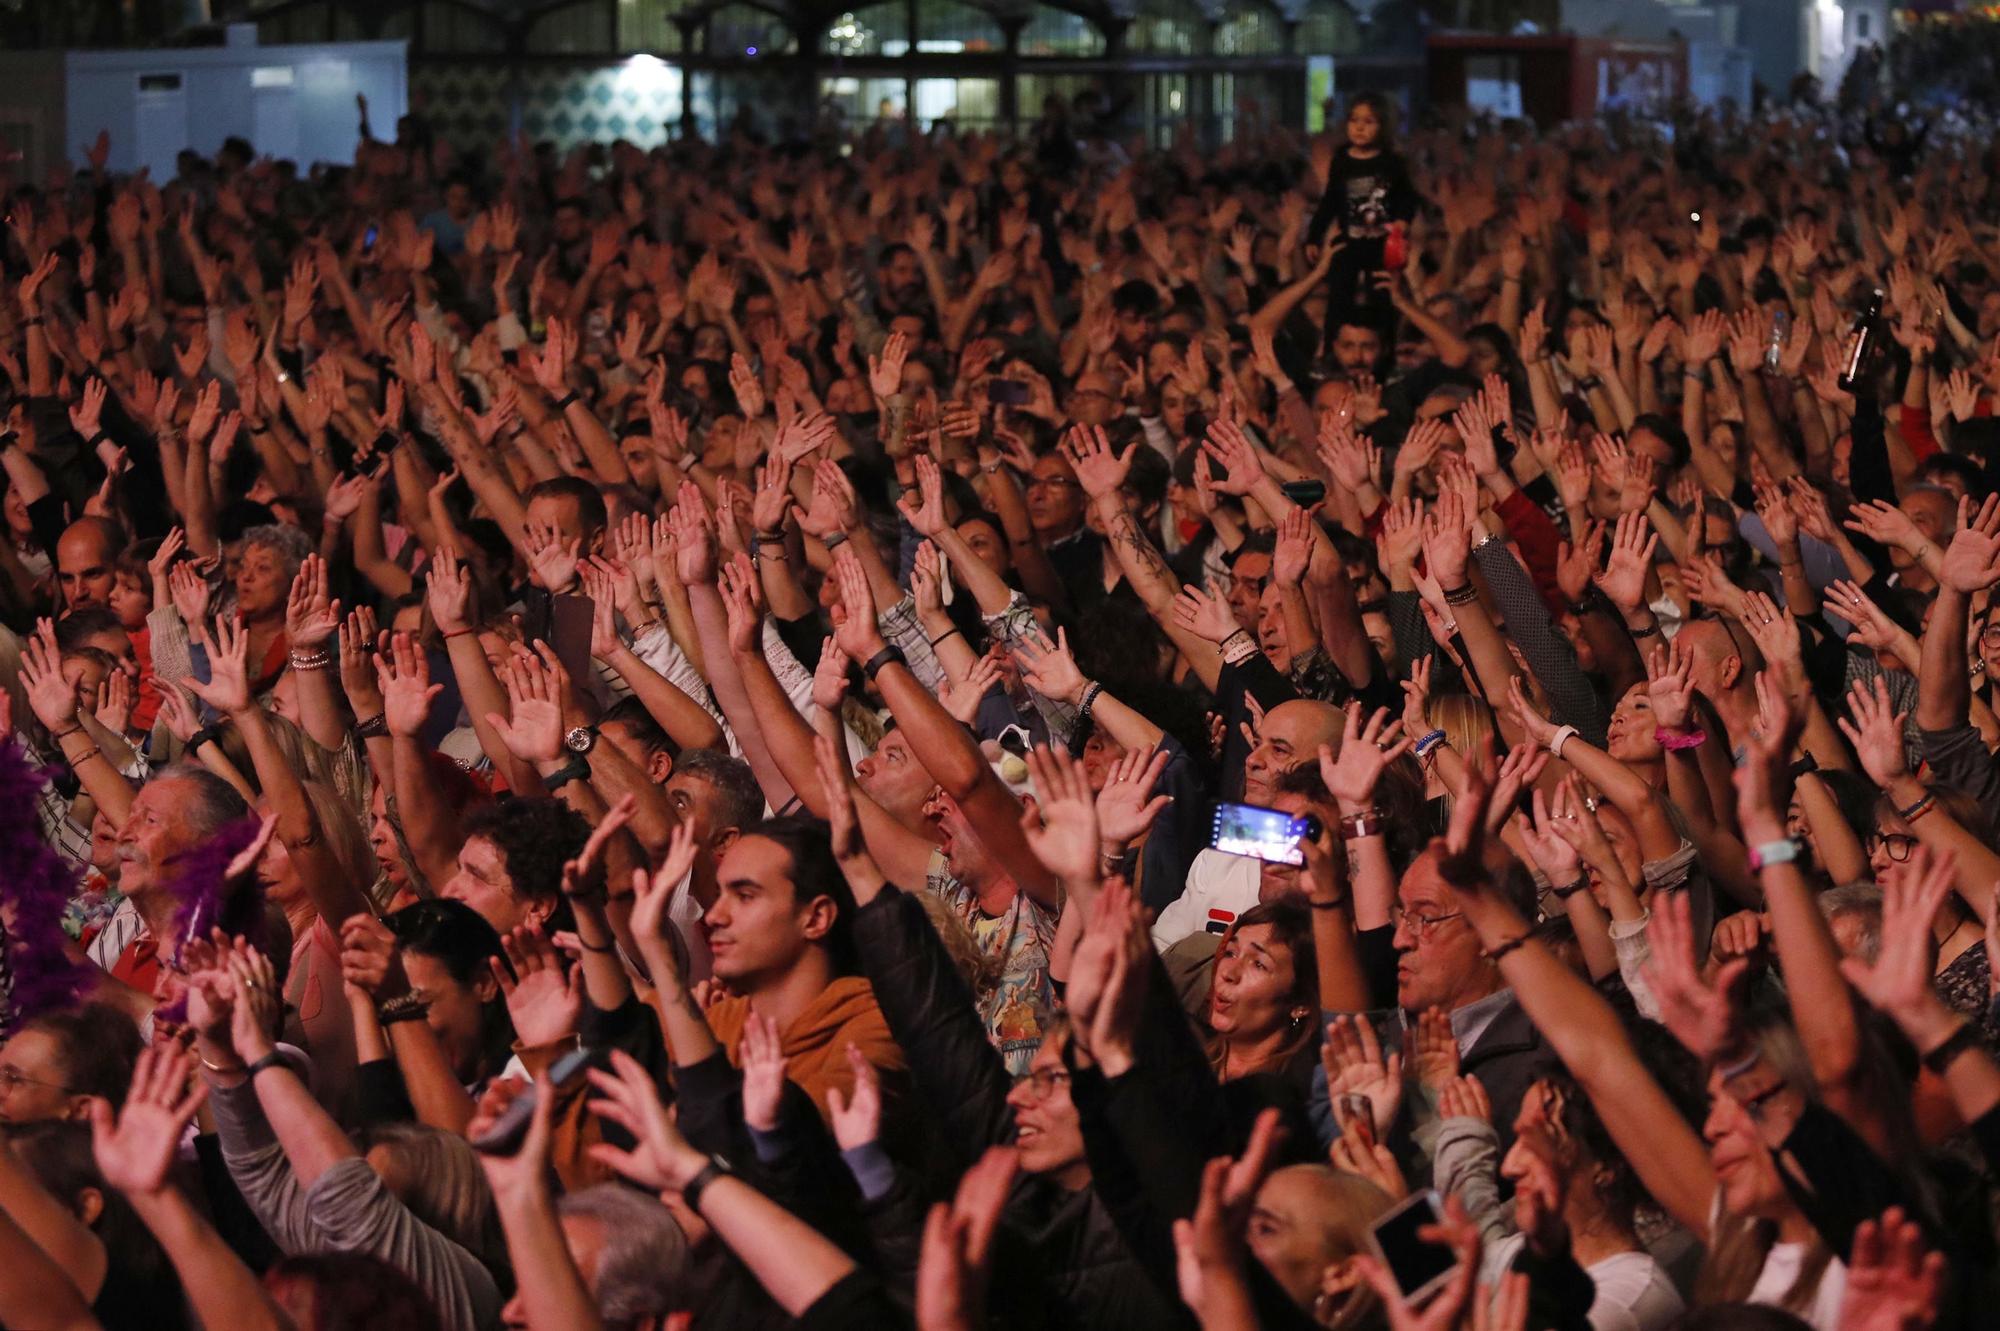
x=1962, y=967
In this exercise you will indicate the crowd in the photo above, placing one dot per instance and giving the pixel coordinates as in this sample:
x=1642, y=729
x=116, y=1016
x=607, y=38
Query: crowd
x=637, y=739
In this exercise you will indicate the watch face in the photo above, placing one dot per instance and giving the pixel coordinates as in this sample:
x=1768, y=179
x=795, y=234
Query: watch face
x=580, y=740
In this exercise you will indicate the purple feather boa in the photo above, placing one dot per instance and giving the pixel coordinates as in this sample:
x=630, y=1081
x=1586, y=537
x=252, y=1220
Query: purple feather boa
x=199, y=881
x=36, y=884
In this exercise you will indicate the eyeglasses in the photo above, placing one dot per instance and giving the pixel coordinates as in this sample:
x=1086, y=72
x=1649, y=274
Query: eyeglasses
x=1051, y=483
x=1421, y=926
x=13, y=1079
x=1898, y=844
x=1042, y=1082
x=1991, y=633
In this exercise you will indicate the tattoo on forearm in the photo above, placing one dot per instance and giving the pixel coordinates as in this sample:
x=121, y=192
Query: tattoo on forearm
x=1126, y=533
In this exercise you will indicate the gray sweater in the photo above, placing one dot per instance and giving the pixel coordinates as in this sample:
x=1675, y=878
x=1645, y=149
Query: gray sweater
x=348, y=1209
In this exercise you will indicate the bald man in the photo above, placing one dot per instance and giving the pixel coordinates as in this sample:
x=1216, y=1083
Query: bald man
x=1720, y=677
x=86, y=562
x=1221, y=886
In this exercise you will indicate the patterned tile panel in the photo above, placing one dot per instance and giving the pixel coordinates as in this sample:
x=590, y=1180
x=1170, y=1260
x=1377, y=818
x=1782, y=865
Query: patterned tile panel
x=468, y=101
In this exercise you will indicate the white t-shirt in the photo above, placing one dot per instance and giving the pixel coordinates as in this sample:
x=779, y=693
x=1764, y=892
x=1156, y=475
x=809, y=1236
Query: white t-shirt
x=1219, y=888
x=1781, y=1270
x=1634, y=1292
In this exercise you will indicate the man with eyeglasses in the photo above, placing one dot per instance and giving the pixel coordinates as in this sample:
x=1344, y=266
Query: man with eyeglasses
x=1439, y=964
x=56, y=1063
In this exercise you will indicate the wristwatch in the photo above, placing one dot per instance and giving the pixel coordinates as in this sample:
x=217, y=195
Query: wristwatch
x=691, y=1192
x=580, y=739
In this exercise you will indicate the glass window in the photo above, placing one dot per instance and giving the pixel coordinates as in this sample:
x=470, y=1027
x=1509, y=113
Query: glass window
x=1167, y=106
x=1055, y=32
x=873, y=30
x=1032, y=90
x=863, y=102
x=967, y=103
x=452, y=28
x=1328, y=29
x=647, y=26
x=748, y=31
x=1172, y=28
x=947, y=27
x=1250, y=30
x=571, y=30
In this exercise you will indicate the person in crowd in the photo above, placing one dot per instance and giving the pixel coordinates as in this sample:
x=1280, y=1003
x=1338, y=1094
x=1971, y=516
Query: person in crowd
x=604, y=777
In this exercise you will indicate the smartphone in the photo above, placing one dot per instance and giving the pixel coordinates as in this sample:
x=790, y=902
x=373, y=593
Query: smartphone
x=1419, y=1267
x=504, y=1137
x=369, y=237
x=1007, y=393
x=1304, y=493
x=1261, y=834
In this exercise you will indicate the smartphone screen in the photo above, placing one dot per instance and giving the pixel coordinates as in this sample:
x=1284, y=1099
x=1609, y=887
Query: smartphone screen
x=1419, y=1266
x=1007, y=392
x=504, y=1136
x=1261, y=834
x=1304, y=493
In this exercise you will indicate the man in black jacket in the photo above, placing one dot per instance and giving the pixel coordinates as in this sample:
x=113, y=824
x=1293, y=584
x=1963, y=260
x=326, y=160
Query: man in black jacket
x=1439, y=964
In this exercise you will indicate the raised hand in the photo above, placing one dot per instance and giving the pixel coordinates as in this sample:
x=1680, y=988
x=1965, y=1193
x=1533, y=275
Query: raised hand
x=1899, y=981
x=1972, y=560
x=1434, y=1049
x=1875, y=728
x=1352, y=1056
x=552, y=560
x=369, y=960
x=1447, y=538
x=1126, y=805
x=1206, y=614
x=1049, y=668
x=1227, y=445
x=762, y=1057
x=533, y=730
x=1893, y=1281
x=228, y=686
x=1703, y=1016
x=1098, y=470
x=1366, y=750
x=1670, y=685
x=1061, y=829
x=448, y=591
x=963, y=698
x=885, y=372
x=924, y=508
x=544, y=995
x=310, y=618
x=51, y=696
x=404, y=677
x=136, y=1148
x=1623, y=580
x=855, y=627
x=856, y=1119
x=953, y=1266
x=662, y=1159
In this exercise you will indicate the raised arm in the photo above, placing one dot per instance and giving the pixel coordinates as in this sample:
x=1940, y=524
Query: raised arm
x=334, y=894
x=1578, y=1023
x=135, y=1154
x=404, y=677
x=1823, y=1007
x=947, y=749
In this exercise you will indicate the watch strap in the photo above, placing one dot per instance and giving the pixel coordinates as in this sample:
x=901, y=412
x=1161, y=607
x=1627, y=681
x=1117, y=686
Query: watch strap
x=691, y=1192
x=576, y=769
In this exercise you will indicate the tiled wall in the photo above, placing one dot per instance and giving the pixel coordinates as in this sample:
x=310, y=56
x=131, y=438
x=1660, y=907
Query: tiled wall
x=467, y=101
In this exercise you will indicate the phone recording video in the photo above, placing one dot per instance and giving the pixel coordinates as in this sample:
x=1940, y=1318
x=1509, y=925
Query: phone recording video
x=1420, y=1267
x=1271, y=835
